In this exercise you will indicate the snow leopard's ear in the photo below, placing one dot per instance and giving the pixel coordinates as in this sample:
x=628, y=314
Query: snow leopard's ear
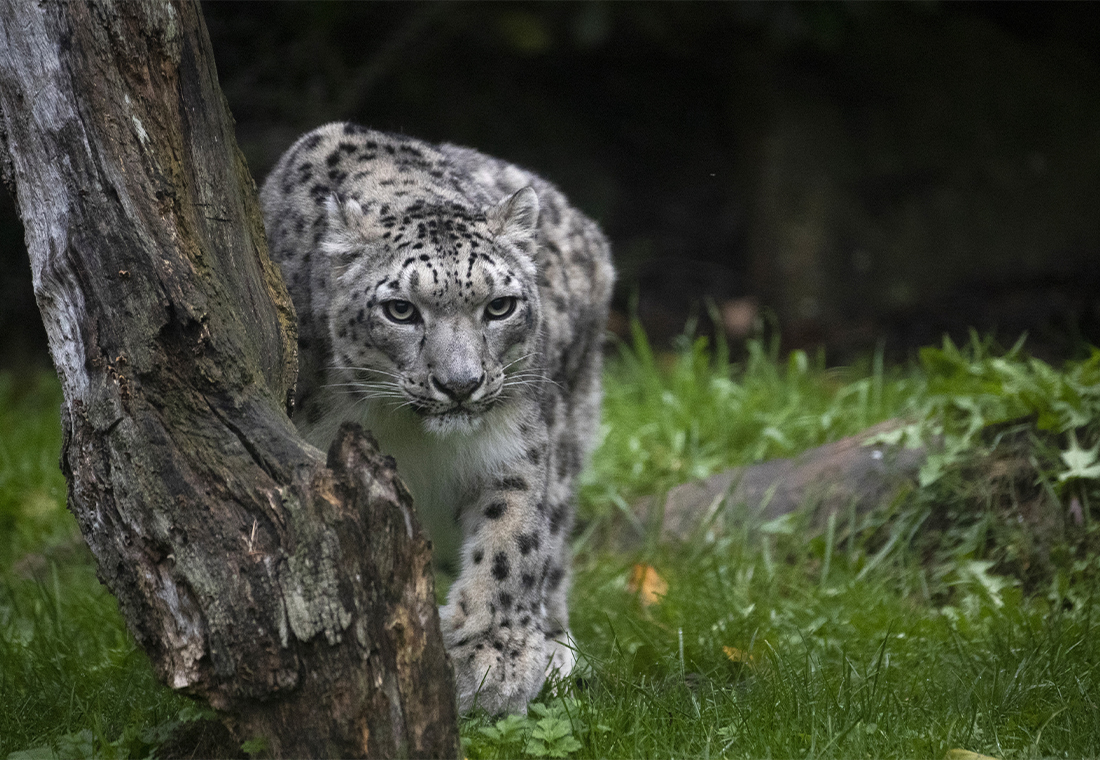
x=349, y=229
x=516, y=217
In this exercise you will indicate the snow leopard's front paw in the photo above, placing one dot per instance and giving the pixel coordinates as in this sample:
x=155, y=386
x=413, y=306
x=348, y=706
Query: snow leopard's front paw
x=498, y=681
x=501, y=669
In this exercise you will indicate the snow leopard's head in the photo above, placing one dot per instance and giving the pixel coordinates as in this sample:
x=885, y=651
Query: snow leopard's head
x=434, y=307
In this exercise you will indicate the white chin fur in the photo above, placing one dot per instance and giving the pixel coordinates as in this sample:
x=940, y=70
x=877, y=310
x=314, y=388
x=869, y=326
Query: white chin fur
x=452, y=423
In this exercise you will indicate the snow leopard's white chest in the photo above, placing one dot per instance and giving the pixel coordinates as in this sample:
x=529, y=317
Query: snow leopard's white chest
x=443, y=472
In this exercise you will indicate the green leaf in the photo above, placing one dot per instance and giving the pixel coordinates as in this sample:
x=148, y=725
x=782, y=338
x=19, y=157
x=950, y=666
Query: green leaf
x=536, y=748
x=43, y=752
x=1080, y=463
x=977, y=571
x=551, y=729
x=507, y=730
x=254, y=746
x=553, y=733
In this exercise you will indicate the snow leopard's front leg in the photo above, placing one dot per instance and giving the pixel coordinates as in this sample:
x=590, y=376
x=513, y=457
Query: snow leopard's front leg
x=500, y=624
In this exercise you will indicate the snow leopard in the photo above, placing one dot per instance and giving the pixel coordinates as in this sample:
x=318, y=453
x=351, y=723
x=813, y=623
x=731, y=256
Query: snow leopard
x=454, y=305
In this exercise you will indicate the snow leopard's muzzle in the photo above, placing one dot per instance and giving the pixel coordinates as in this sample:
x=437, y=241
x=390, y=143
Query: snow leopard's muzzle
x=459, y=378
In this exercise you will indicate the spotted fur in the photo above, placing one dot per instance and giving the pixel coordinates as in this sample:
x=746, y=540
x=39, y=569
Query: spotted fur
x=455, y=305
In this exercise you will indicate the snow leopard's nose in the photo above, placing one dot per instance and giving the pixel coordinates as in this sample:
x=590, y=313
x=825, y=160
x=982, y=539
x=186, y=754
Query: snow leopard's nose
x=458, y=388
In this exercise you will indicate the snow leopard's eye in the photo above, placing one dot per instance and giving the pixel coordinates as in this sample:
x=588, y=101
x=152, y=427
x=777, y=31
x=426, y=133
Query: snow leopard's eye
x=499, y=308
x=400, y=311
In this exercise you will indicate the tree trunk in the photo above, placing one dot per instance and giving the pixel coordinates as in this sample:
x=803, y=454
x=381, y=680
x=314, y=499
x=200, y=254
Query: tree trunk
x=297, y=598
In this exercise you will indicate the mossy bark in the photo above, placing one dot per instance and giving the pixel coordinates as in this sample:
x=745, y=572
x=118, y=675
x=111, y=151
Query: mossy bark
x=294, y=594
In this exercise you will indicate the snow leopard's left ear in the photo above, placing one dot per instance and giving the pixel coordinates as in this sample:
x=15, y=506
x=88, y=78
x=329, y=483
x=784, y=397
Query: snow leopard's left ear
x=516, y=217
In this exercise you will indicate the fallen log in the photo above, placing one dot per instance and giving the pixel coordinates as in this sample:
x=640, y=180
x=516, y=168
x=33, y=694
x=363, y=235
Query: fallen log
x=838, y=477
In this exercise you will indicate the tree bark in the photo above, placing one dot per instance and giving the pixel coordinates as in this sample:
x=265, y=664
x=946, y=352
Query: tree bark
x=294, y=595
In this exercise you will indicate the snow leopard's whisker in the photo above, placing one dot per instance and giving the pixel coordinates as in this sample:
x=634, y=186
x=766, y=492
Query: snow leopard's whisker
x=389, y=402
x=367, y=371
x=407, y=403
x=383, y=400
x=360, y=384
x=380, y=385
x=529, y=378
x=517, y=361
x=528, y=373
x=392, y=404
x=388, y=397
x=369, y=392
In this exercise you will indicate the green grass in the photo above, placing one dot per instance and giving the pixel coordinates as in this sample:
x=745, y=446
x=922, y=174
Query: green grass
x=70, y=673
x=959, y=616
x=32, y=490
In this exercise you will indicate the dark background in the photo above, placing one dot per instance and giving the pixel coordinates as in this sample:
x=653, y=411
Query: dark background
x=853, y=175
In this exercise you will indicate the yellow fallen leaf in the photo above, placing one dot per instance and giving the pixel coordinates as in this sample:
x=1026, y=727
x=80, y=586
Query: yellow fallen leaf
x=647, y=584
x=738, y=655
x=965, y=754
